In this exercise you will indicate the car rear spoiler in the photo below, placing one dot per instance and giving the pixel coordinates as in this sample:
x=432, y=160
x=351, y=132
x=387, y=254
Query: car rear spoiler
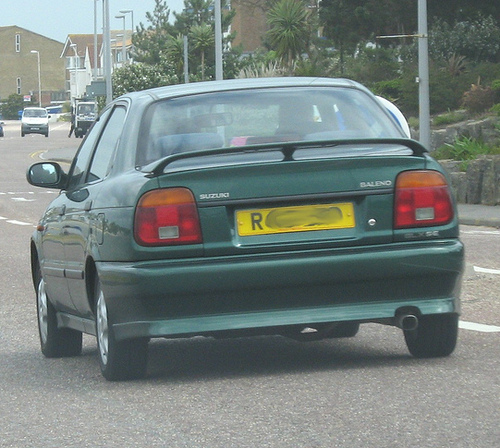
x=287, y=148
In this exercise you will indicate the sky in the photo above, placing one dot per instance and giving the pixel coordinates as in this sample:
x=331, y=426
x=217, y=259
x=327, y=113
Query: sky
x=58, y=18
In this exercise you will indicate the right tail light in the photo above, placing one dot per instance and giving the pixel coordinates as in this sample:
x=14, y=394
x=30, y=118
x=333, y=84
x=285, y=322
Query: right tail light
x=422, y=199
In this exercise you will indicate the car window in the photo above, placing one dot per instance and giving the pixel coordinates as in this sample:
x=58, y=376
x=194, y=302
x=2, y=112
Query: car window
x=84, y=154
x=260, y=116
x=101, y=162
x=35, y=113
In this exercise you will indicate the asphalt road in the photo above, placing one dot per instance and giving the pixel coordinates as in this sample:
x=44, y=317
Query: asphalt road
x=365, y=391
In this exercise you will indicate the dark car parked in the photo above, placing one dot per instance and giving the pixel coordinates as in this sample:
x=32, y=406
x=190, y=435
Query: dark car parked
x=289, y=206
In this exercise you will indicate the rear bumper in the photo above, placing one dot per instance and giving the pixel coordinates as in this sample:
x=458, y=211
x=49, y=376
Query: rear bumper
x=181, y=297
x=35, y=128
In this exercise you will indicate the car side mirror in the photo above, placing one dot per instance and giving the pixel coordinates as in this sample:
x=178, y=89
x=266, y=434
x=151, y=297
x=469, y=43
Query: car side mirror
x=46, y=174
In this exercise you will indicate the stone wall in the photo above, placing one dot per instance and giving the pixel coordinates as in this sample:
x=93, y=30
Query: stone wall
x=486, y=130
x=480, y=184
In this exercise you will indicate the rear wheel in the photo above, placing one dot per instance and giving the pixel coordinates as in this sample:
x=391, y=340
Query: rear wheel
x=119, y=360
x=55, y=342
x=435, y=336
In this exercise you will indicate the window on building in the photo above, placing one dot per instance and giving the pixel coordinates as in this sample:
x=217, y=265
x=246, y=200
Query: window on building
x=18, y=43
x=18, y=86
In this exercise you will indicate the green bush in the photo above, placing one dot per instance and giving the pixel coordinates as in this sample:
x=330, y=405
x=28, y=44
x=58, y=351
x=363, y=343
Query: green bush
x=13, y=105
x=464, y=149
x=449, y=118
x=495, y=86
x=390, y=89
x=496, y=109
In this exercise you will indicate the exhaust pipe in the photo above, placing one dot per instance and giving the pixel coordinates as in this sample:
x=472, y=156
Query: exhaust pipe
x=407, y=322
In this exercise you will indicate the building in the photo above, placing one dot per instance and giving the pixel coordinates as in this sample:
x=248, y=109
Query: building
x=249, y=24
x=84, y=63
x=19, y=65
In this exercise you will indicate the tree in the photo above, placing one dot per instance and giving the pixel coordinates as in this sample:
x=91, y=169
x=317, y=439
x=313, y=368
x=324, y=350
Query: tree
x=203, y=39
x=453, y=11
x=289, y=32
x=175, y=53
x=13, y=105
x=195, y=13
x=348, y=23
x=477, y=40
x=150, y=43
x=141, y=76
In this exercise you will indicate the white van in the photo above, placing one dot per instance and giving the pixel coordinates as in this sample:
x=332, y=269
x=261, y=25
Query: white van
x=35, y=120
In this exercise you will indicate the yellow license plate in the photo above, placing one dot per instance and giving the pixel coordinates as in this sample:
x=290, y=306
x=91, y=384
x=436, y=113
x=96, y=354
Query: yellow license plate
x=304, y=218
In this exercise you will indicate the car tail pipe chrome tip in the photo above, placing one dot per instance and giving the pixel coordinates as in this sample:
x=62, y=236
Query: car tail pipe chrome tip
x=407, y=322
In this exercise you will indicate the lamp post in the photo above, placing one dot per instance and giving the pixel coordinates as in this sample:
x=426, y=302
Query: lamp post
x=423, y=76
x=219, y=74
x=131, y=12
x=39, y=78
x=95, y=41
x=77, y=66
x=124, y=55
x=423, y=73
x=107, y=50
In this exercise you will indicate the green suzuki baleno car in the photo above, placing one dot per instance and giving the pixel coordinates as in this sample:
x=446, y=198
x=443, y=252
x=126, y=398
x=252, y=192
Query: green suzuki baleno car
x=295, y=207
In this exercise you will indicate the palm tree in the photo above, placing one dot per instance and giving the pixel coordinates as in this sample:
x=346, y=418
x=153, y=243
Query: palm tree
x=202, y=39
x=175, y=53
x=289, y=29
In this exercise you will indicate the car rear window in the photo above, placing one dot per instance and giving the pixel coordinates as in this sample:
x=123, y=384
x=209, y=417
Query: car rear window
x=32, y=113
x=260, y=116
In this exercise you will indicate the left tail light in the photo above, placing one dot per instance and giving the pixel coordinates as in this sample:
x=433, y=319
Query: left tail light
x=167, y=217
x=422, y=199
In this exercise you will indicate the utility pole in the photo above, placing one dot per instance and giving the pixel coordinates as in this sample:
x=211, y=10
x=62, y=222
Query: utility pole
x=186, y=59
x=107, y=51
x=423, y=76
x=218, y=41
x=424, y=117
x=39, y=78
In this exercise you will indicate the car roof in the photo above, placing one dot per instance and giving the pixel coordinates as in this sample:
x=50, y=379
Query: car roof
x=238, y=84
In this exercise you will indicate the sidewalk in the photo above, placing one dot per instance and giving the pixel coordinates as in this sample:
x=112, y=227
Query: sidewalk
x=479, y=215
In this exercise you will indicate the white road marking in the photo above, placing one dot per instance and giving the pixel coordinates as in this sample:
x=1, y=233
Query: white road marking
x=23, y=200
x=481, y=232
x=19, y=223
x=478, y=327
x=486, y=271
x=19, y=193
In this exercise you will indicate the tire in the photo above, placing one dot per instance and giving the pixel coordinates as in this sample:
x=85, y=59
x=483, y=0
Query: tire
x=119, y=360
x=22, y=134
x=55, y=342
x=435, y=336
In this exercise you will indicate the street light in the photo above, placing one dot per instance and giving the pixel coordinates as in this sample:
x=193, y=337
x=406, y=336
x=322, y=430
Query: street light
x=131, y=12
x=219, y=74
x=95, y=40
x=106, y=37
x=123, y=39
x=39, y=78
x=77, y=66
